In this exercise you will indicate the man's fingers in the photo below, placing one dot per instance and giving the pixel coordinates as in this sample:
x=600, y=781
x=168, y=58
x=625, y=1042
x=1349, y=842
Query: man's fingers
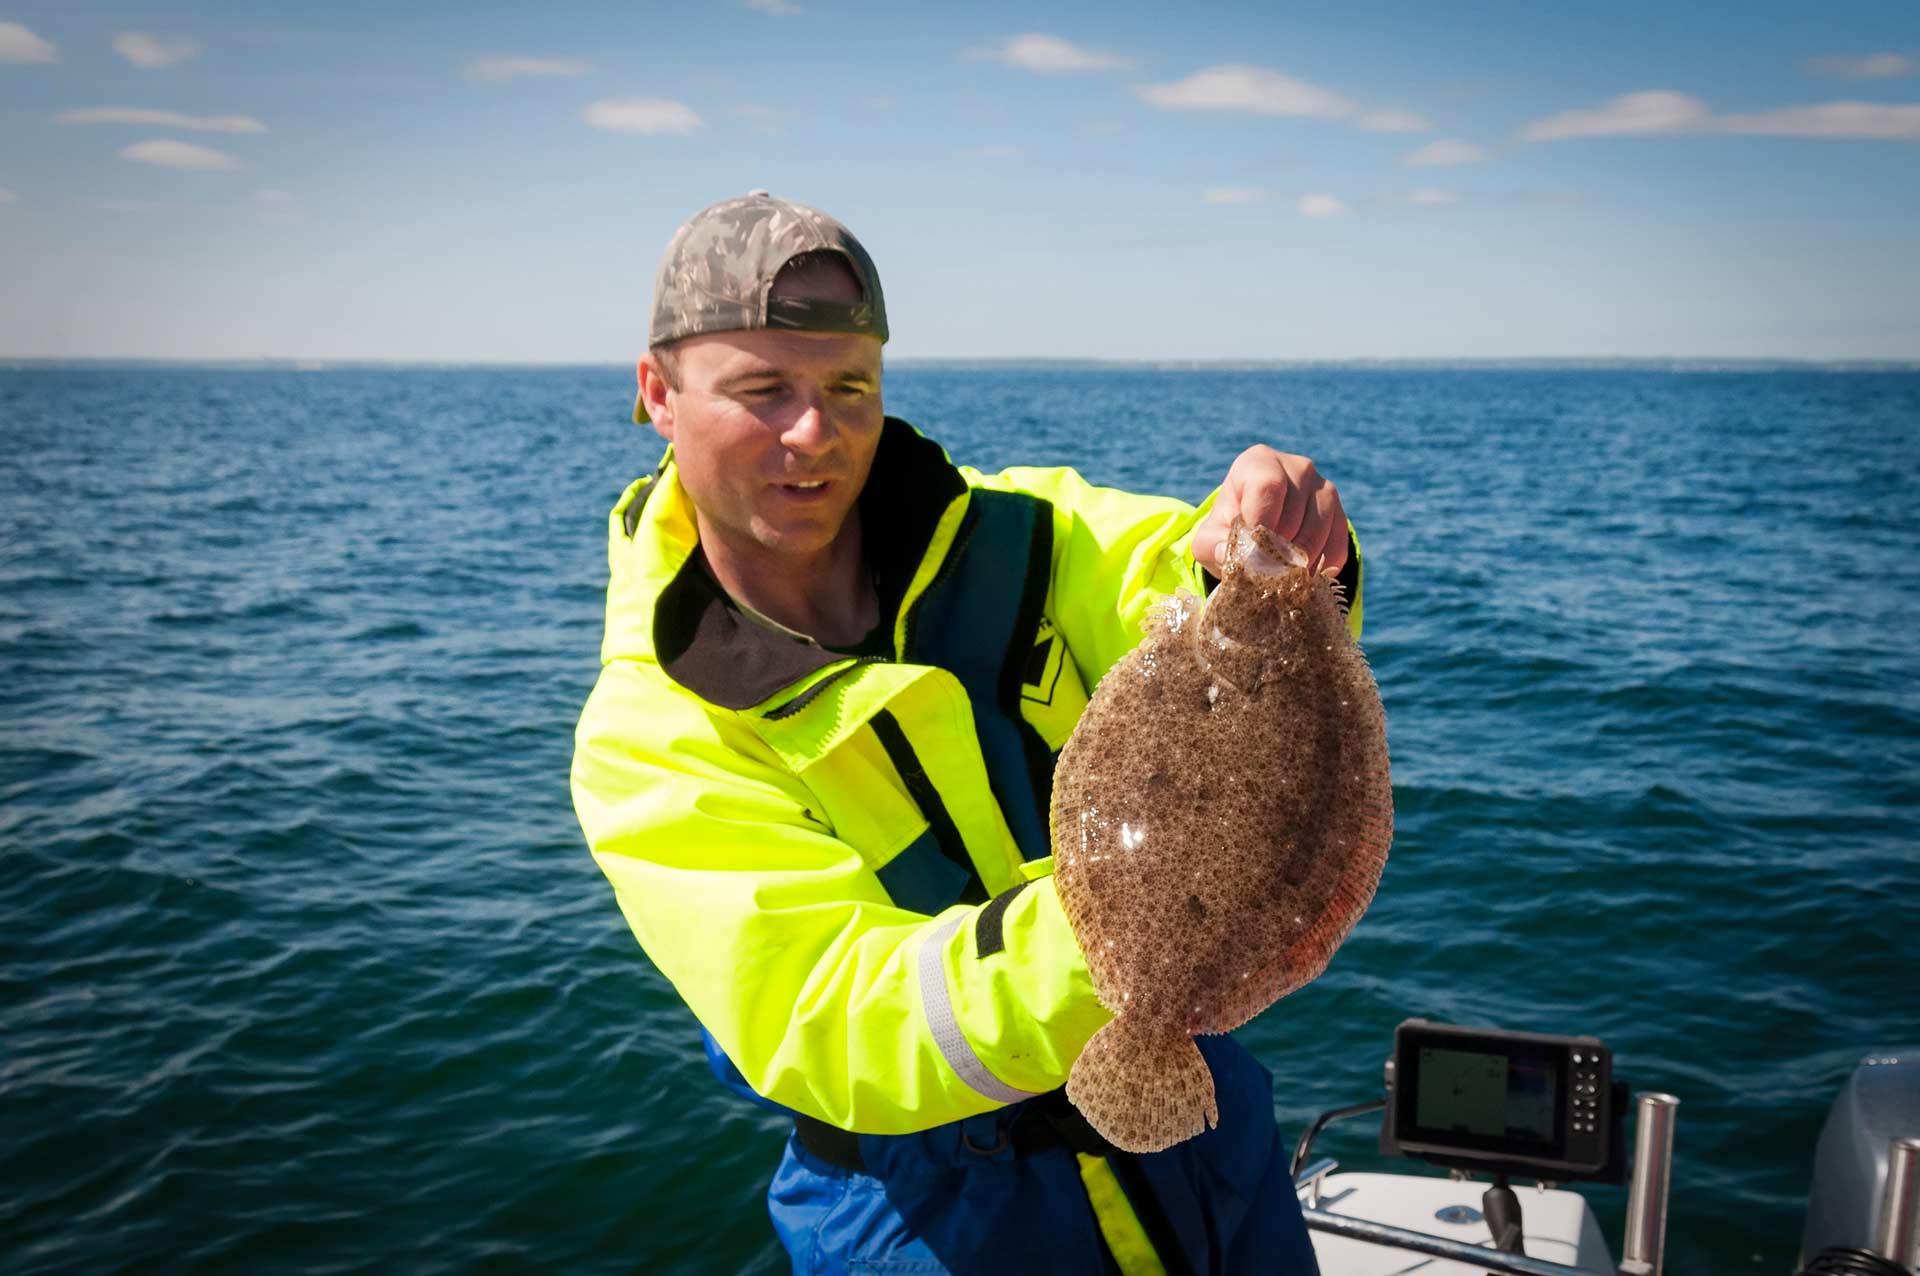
x=1293, y=515
x=1226, y=508
x=1334, y=517
x=1266, y=504
x=1312, y=539
x=1334, y=560
x=1210, y=538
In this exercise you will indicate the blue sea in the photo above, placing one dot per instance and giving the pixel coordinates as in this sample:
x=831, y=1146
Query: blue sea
x=304, y=966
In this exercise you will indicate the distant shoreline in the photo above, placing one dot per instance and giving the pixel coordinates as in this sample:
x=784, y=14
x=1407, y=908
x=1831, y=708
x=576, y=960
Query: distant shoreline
x=1544, y=364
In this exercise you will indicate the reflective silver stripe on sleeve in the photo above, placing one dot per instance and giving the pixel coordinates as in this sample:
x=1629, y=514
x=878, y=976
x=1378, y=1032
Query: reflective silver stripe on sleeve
x=946, y=1030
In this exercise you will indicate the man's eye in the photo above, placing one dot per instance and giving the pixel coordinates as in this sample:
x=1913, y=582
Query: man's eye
x=853, y=390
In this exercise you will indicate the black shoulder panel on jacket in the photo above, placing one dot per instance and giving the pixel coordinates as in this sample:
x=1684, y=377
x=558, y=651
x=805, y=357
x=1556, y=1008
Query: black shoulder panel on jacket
x=707, y=645
x=1349, y=577
x=911, y=484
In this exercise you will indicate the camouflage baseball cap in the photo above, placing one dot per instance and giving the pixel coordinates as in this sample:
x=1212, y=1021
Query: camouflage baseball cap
x=720, y=267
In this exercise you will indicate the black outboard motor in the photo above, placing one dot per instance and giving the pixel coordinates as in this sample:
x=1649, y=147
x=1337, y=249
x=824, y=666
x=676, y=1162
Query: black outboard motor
x=1863, y=1207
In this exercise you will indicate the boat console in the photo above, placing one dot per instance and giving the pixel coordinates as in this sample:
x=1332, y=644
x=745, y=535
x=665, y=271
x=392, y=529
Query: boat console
x=1525, y=1105
x=1501, y=1104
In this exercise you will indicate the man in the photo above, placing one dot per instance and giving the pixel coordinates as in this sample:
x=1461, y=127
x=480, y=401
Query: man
x=817, y=763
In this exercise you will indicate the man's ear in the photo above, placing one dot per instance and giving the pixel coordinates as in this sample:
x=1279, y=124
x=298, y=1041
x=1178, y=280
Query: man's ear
x=655, y=395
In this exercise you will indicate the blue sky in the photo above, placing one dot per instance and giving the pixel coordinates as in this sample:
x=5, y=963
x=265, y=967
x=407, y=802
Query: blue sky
x=483, y=181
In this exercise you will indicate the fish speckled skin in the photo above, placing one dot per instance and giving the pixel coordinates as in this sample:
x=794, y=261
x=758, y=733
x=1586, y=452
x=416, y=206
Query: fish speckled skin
x=1221, y=817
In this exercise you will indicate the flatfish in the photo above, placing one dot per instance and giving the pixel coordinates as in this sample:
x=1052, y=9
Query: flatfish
x=1221, y=817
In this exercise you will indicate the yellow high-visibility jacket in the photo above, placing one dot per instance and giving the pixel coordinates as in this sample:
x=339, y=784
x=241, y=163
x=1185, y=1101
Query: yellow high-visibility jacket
x=843, y=863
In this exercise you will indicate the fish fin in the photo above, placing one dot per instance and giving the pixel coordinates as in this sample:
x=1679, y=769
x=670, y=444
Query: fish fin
x=1171, y=614
x=1144, y=1087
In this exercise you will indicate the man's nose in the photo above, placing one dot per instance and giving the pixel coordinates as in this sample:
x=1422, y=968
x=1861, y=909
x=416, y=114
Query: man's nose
x=810, y=431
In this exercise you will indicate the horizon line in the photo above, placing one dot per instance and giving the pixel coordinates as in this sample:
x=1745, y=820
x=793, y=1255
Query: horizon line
x=1669, y=363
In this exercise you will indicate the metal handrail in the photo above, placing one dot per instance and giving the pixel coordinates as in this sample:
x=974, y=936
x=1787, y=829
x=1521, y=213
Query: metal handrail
x=1643, y=1253
x=1897, y=1236
x=1490, y=1260
x=1305, y=1147
x=1312, y=1177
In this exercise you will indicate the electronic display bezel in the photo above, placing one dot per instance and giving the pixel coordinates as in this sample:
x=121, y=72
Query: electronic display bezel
x=1589, y=1151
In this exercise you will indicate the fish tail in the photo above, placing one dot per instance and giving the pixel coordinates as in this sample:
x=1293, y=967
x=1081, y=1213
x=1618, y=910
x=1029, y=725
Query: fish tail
x=1143, y=1086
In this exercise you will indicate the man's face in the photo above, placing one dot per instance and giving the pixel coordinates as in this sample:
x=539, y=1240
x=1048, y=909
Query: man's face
x=774, y=433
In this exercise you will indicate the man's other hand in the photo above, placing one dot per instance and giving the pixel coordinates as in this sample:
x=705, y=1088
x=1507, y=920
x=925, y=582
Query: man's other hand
x=1283, y=493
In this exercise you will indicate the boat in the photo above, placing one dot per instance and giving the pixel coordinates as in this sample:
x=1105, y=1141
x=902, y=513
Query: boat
x=1482, y=1109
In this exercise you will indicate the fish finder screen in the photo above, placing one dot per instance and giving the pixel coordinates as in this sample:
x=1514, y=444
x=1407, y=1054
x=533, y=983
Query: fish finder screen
x=1493, y=1096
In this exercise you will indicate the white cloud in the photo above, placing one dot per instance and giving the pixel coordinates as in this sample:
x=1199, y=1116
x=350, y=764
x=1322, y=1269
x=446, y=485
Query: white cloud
x=1232, y=195
x=151, y=52
x=1663, y=112
x=161, y=119
x=1321, y=206
x=7, y=196
x=1250, y=89
x=778, y=8
x=1394, y=122
x=1050, y=55
x=1873, y=66
x=1431, y=197
x=991, y=152
x=1654, y=111
x=499, y=70
x=167, y=153
x=1829, y=119
x=274, y=197
x=1443, y=155
x=641, y=115
x=17, y=44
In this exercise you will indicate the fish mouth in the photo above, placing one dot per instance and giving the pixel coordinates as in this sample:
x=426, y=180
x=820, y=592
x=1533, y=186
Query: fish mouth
x=1262, y=552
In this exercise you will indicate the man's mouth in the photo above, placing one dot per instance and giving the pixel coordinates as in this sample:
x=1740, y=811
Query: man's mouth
x=805, y=489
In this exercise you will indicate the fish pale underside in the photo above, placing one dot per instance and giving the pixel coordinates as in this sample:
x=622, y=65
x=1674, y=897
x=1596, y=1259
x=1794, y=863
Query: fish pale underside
x=1221, y=816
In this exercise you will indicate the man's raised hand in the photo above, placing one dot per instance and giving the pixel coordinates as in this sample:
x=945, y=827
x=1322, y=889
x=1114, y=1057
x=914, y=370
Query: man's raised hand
x=1283, y=493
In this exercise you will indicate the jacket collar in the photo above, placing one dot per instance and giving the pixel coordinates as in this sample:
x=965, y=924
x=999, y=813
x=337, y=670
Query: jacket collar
x=700, y=636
